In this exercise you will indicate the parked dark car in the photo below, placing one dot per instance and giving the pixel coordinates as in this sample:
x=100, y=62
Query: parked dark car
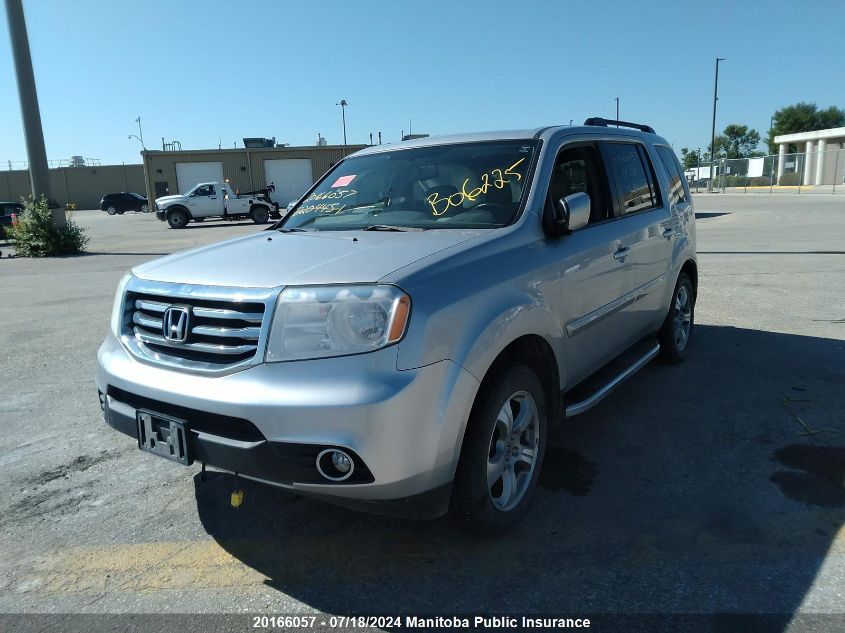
x=119, y=203
x=7, y=209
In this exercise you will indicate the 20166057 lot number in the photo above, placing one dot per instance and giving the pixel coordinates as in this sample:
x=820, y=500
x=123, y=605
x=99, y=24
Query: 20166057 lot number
x=283, y=621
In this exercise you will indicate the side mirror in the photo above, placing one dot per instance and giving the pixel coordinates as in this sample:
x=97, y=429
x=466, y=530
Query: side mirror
x=569, y=214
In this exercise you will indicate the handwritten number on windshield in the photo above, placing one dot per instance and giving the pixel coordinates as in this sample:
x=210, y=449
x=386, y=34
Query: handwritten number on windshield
x=310, y=204
x=494, y=178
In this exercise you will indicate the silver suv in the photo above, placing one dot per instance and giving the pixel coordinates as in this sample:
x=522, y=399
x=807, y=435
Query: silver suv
x=403, y=339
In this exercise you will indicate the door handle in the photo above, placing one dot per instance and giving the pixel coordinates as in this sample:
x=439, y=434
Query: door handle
x=621, y=252
x=212, y=197
x=668, y=232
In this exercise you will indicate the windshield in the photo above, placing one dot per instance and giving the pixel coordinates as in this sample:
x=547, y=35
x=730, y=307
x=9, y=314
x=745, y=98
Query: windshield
x=468, y=185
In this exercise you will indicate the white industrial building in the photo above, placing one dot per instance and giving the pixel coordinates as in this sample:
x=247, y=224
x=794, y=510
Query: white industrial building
x=822, y=161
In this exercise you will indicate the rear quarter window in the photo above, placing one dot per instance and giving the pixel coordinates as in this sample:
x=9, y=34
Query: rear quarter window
x=677, y=192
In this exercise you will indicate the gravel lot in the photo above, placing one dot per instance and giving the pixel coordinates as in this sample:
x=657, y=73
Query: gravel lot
x=692, y=489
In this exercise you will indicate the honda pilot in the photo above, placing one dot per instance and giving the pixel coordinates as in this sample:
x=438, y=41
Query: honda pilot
x=402, y=341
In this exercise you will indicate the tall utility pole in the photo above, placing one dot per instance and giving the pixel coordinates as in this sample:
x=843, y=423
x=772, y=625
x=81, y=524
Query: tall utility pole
x=713, y=131
x=39, y=173
x=617, y=108
x=343, y=105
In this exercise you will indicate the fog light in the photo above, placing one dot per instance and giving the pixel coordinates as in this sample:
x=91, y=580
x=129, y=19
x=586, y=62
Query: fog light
x=335, y=465
x=341, y=462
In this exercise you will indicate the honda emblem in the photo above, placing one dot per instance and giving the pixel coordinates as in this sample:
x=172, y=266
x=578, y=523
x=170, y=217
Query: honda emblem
x=174, y=324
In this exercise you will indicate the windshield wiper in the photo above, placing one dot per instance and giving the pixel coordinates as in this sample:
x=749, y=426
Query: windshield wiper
x=292, y=230
x=389, y=227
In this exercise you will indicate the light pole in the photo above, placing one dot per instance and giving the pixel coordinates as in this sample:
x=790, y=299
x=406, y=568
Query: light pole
x=39, y=173
x=713, y=130
x=140, y=140
x=343, y=105
x=140, y=132
x=617, y=108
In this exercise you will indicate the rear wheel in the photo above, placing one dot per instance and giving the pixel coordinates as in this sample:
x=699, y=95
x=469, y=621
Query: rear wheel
x=502, y=452
x=145, y=208
x=111, y=210
x=177, y=219
x=676, y=332
x=259, y=214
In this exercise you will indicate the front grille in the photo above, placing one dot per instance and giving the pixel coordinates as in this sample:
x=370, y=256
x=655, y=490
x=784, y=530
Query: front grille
x=218, y=334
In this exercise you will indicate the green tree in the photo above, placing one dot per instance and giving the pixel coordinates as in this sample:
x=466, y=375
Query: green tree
x=803, y=117
x=738, y=141
x=689, y=158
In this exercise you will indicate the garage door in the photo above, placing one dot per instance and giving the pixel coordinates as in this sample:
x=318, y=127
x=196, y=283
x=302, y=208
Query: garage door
x=292, y=177
x=189, y=175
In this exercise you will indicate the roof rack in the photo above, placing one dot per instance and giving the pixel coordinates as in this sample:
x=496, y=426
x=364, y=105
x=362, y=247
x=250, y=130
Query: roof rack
x=607, y=122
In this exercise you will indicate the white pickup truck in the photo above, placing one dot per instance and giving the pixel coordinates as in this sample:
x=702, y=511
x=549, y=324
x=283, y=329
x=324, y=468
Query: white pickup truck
x=210, y=200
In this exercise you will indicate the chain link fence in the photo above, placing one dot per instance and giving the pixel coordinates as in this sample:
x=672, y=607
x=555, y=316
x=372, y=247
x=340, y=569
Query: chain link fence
x=801, y=172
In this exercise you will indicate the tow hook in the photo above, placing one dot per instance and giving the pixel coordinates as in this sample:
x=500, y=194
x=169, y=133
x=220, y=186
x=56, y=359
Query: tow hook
x=237, y=497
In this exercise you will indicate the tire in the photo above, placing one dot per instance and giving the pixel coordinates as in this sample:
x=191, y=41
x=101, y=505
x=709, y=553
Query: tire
x=177, y=219
x=259, y=214
x=111, y=210
x=493, y=463
x=676, y=332
x=121, y=212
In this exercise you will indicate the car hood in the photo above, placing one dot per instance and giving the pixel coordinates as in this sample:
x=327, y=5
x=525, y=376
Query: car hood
x=271, y=258
x=168, y=198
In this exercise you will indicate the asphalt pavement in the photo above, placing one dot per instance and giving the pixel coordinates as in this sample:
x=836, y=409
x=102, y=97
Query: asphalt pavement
x=715, y=486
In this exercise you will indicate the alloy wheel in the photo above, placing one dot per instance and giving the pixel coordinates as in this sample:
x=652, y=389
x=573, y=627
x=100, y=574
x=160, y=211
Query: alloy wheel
x=512, y=454
x=683, y=317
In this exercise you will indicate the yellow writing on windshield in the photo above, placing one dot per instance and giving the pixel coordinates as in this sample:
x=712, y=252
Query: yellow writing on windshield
x=497, y=178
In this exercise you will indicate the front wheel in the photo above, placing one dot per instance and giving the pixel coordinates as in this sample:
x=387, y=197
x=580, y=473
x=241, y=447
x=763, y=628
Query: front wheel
x=177, y=219
x=676, y=332
x=259, y=215
x=111, y=210
x=502, y=452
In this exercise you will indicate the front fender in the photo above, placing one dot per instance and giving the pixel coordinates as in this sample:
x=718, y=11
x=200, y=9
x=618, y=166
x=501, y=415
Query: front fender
x=177, y=205
x=474, y=332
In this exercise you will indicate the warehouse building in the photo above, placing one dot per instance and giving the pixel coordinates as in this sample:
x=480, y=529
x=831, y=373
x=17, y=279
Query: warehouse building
x=83, y=186
x=291, y=169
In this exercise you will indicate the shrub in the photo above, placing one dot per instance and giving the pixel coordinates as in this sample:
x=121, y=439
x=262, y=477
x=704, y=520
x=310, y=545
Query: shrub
x=35, y=236
x=792, y=178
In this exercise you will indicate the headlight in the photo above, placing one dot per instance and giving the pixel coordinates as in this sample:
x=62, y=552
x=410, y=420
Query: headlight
x=319, y=322
x=117, y=307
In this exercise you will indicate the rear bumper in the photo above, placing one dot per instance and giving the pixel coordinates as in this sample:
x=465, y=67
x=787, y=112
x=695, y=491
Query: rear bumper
x=403, y=429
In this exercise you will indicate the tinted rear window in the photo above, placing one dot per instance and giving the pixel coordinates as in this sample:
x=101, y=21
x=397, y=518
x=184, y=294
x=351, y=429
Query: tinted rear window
x=632, y=177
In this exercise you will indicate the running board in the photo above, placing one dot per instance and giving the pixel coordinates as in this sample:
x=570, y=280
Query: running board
x=588, y=403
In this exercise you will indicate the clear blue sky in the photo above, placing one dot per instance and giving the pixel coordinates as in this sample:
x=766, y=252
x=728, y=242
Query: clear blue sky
x=196, y=71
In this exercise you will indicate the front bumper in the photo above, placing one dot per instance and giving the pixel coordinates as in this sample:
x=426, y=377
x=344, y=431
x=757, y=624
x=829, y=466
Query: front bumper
x=160, y=213
x=403, y=428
